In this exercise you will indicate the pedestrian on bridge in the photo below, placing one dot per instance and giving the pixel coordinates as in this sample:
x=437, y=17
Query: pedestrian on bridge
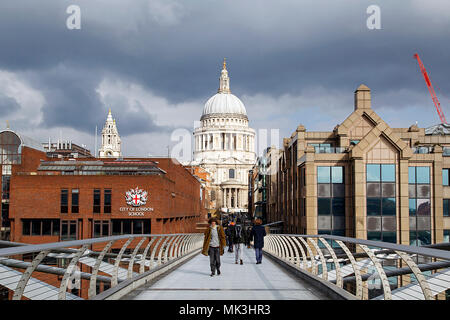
x=230, y=236
x=247, y=236
x=238, y=234
x=214, y=244
x=257, y=234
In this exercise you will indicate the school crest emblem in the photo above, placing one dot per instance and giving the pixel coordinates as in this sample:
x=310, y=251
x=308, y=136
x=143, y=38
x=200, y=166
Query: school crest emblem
x=136, y=197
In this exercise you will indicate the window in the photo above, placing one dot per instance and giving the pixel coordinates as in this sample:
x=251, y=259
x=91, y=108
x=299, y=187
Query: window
x=40, y=227
x=107, y=201
x=445, y=177
x=75, y=201
x=413, y=208
x=9, y=148
x=423, y=175
x=323, y=175
x=64, y=201
x=419, y=238
x=330, y=200
x=101, y=228
x=130, y=226
x=420, y=205
x=68, y=230
x=446, y=235
x=26, y=227
x=411, y=175
x=137, y=227
x=337, y=174
x=380, y=189
x=5, y=186
x=5, y=215
x=373, y=173
x=381, y=202
x=321, y=147
x=231, y=174
x=385, y=236
x=324, y=206
x=96, y=208
x=446, y=207
x=388, y=173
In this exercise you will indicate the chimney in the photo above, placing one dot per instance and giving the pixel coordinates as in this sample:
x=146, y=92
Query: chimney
x=362, y=98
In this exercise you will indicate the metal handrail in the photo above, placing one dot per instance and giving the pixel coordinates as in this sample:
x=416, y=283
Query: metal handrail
x=424, y=251
x=353, y=265
x=74, y=243
x=41, y=279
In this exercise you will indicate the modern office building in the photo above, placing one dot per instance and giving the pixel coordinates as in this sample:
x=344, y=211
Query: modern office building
x=363, y=179
x=257, y=188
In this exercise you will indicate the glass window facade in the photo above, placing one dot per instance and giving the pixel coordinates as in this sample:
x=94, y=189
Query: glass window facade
x=9, y=148
x=381, y=206
x=130, y=226
x=40, y=227
x=331, y=200
x=419, y=206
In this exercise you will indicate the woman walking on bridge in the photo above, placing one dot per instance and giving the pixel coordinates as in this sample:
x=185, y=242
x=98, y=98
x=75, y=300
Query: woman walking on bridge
x=258, y=233
x=213, y=245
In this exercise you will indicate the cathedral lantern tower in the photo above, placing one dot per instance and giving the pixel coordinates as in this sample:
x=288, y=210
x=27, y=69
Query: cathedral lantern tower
x=110, y=139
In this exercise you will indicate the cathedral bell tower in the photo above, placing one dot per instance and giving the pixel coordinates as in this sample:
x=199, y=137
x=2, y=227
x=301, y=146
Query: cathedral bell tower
x=110, y=139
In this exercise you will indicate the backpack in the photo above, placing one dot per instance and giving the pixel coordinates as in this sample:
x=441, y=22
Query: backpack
x=238, y=231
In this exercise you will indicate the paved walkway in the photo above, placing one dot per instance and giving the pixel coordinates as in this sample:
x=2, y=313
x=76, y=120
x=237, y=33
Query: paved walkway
x=192, y=281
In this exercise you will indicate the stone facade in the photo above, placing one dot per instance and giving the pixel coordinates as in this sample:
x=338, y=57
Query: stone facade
x=364, y=179
x=111, y=143
x=224, y=146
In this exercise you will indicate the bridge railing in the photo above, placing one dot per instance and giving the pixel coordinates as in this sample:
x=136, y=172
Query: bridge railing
x=366, y=269
x=99, y=268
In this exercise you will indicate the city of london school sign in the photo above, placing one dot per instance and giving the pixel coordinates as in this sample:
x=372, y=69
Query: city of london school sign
x=136, y=199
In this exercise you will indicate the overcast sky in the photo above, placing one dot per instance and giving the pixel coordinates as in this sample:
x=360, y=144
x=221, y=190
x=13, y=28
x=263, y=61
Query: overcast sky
x=156, y=62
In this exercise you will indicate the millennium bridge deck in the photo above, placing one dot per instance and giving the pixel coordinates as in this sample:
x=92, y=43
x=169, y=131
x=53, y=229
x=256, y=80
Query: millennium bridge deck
x=192, y=281
x=170, y=267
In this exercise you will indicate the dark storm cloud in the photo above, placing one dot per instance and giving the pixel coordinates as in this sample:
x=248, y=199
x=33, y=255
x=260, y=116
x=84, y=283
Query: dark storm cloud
x=175, y=48
x=8, y=105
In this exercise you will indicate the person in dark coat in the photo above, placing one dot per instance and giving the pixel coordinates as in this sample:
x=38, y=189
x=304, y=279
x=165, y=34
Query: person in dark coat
x=257, y=234
x=238, y=236
x=248, y=231
x=230, y=236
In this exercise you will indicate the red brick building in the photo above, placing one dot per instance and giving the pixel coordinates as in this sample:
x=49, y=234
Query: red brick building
x=48, y=200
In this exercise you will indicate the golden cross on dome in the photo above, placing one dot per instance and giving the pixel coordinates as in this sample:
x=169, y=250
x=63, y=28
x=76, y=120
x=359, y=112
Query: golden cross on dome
x=224, y=63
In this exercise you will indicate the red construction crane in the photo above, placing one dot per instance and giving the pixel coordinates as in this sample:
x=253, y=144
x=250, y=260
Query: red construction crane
x=431, y=89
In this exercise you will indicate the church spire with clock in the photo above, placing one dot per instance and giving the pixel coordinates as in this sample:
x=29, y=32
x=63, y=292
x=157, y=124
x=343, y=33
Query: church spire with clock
x=111, y=143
